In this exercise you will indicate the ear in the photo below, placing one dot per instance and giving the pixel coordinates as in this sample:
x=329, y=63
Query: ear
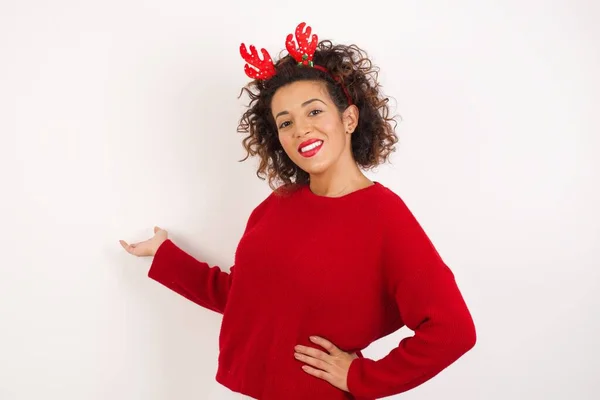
x=350, y=118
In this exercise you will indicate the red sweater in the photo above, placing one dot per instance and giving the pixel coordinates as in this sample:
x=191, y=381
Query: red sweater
x=350, y=269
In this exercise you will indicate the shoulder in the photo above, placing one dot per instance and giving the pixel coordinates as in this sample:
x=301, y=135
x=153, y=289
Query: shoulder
x=287, y=190
x=274, y=197
x=261, y=207
x=387, y=194
x=390, y=203
x=397, y=218
x=407, y=246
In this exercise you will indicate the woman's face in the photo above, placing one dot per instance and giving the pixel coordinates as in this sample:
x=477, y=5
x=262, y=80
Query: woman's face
x=311, y=130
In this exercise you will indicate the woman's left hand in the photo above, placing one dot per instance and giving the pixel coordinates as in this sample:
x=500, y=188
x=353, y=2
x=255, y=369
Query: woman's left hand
x=332, y=366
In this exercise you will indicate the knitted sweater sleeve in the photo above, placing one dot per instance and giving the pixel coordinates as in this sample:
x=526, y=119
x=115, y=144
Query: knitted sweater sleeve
x=197, y=281
x=428, y=302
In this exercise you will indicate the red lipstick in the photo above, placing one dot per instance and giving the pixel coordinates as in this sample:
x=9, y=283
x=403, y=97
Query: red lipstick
x=312, y=151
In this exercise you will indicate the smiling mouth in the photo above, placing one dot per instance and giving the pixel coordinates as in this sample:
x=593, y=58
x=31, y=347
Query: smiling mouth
x=311, y=149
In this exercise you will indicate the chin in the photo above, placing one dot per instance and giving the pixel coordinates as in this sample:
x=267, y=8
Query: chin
x=316, y=169
x=313, y=166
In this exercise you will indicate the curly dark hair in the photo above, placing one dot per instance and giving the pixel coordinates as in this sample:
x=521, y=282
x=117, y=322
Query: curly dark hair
x=374, y=137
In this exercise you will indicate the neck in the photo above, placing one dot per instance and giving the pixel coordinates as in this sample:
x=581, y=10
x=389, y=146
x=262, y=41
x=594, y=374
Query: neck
x=342, y=178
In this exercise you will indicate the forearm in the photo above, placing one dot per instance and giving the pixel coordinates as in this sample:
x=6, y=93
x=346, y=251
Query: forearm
x=444, y=330
x=195, y=280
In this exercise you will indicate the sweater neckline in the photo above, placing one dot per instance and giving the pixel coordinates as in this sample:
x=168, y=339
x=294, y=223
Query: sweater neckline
x=359, y=192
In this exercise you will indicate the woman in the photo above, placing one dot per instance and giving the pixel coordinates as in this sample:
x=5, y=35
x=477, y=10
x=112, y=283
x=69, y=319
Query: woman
x=330, y=261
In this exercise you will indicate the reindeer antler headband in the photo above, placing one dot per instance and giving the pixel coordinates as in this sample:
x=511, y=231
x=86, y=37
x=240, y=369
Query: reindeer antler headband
x=264, y=69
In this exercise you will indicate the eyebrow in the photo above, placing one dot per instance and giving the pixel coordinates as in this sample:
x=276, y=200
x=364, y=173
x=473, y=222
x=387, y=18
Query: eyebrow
x=303, y=104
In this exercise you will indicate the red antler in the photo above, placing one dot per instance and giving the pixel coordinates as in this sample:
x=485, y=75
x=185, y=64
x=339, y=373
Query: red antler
x=305, y=51
x=263, y=69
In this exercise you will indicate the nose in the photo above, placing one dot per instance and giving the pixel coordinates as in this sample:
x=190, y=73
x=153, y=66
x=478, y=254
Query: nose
x=302, y=129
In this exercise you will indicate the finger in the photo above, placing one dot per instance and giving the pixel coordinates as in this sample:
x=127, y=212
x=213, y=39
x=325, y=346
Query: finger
x=312, y=352
x=315, y=362
x=318, y=373
x=132, y=248
x=324, y=343
x=128, y=247
x=156, y=229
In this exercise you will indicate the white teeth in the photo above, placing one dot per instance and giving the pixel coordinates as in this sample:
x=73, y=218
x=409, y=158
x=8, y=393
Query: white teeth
x=310, y=147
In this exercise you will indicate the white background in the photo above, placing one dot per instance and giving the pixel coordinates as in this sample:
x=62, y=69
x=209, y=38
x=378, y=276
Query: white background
x=116, y=116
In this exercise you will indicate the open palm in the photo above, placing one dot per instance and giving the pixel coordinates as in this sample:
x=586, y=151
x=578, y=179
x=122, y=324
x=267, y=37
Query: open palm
x=147, y=248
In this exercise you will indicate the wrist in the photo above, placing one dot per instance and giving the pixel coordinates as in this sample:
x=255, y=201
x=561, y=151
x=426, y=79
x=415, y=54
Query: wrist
x=158, y=245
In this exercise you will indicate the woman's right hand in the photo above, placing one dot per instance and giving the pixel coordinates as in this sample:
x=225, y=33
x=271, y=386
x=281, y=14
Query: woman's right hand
x=148, y=247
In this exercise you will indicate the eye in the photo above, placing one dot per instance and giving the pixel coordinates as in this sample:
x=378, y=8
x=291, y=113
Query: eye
x=285, y=124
